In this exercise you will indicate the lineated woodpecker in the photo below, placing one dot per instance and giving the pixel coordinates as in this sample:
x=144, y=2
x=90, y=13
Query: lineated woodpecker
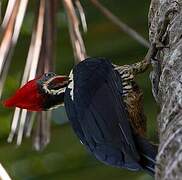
x=104, y=105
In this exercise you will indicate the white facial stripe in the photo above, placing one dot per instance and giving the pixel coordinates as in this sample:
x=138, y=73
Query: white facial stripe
x=56, y=106
x=53, y=91
x=46, y=89
x=57, y=92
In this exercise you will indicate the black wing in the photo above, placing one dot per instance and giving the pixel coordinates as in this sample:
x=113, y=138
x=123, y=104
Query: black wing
x=98, y=115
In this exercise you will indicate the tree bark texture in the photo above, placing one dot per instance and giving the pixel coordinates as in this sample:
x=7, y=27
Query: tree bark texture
x=166, y=79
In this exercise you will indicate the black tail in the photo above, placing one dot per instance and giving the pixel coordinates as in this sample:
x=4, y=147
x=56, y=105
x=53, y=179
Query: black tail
x=148, y=152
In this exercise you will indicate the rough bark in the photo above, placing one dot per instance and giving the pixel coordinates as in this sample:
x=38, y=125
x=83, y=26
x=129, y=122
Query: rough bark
x=167, y=87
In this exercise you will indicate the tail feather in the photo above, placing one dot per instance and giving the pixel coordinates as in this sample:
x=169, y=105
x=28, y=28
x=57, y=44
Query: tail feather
x=148, y=153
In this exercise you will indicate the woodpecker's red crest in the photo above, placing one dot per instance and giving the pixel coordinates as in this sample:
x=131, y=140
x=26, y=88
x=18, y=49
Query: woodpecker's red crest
x=40, y=94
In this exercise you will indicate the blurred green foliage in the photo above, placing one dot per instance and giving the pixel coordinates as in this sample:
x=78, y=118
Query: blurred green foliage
x=65, y=158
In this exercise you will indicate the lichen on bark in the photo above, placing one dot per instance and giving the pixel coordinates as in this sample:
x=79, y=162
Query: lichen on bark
x=166, y=79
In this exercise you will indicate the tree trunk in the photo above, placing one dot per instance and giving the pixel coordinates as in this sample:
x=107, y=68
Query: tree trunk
x=167, y=85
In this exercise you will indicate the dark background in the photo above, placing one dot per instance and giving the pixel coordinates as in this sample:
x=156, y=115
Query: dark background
x=65, y=158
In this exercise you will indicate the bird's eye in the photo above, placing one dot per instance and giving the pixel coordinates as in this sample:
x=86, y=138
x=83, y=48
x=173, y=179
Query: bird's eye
x=47, y=76
x=50, y=74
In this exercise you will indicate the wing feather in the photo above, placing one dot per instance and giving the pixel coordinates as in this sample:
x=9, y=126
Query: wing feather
x=98, y=113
